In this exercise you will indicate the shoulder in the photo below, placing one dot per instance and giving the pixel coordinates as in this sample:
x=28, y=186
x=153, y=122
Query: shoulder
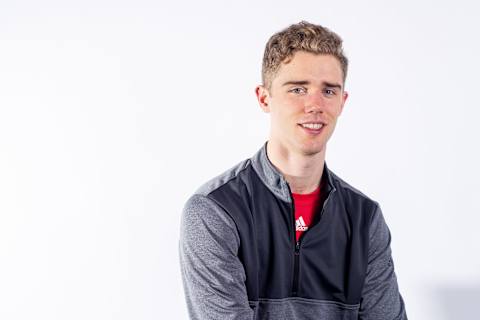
x=223, y=178
x=356, y=202
x=201, y=204
x=370, y=211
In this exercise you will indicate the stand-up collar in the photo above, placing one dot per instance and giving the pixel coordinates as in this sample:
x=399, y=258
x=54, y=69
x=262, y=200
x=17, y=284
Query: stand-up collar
x=275, y=180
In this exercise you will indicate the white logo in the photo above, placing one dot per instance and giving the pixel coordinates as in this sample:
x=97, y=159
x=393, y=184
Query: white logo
x=300, y=224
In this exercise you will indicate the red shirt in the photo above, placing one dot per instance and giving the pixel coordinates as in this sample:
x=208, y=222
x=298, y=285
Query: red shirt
x=305, y=205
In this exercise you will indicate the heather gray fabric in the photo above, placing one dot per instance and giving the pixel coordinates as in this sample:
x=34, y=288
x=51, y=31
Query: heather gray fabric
x=305, y=309
x=381, y=298
x=213, y=276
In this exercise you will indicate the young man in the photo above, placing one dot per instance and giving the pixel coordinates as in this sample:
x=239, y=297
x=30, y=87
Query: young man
x=280, y=236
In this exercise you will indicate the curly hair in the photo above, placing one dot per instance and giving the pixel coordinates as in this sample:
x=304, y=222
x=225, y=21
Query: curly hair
x=303, y=36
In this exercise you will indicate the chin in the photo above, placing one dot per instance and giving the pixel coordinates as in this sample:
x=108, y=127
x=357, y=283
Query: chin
x=312, y=149
x=311, y=153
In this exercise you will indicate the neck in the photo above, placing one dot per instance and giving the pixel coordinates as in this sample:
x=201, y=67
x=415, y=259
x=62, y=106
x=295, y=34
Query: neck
x=302, y=172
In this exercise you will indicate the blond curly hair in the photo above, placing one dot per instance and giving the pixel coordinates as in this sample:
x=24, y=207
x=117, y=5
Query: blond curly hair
x=303, y=36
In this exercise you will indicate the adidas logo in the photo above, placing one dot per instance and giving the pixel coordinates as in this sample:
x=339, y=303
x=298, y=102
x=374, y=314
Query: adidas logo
x=300, y=224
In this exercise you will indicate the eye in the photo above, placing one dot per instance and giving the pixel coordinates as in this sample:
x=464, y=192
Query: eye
x=298, y=90
x=330, y=92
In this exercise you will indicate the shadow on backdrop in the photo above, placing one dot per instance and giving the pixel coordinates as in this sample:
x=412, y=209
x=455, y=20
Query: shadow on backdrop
x=460, y=302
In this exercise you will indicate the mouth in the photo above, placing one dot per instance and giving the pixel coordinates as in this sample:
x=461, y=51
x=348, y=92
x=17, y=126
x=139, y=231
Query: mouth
x=312, y=127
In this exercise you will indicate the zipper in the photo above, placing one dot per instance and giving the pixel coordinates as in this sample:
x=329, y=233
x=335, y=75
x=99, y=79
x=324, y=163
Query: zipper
x=295, y=269
x=296, y=243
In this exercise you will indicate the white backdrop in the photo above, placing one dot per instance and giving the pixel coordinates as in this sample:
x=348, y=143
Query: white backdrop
x=113, y=112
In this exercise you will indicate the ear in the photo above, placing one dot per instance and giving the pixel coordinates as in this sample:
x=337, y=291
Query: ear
x=344, y=99
x=263, y=97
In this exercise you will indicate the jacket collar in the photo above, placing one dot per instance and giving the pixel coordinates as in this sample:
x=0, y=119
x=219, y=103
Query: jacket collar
x=274, y=179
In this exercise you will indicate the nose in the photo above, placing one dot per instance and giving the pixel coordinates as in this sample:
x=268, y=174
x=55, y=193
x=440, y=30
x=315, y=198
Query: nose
x=315, y=103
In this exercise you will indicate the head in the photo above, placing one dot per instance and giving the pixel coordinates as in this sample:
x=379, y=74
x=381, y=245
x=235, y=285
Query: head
x=303, y=77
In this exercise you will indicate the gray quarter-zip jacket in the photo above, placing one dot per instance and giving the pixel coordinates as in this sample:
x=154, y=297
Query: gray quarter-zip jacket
x=240, y=259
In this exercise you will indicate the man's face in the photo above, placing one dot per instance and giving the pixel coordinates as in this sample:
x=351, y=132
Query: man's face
x=304, y=101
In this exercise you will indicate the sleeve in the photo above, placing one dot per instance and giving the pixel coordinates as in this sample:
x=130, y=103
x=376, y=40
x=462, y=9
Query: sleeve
x=381, y=299
x=212, y=274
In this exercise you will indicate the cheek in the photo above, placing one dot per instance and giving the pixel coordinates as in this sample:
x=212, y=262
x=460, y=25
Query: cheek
x=334, y=109
x=284, y=110
x=284, y=118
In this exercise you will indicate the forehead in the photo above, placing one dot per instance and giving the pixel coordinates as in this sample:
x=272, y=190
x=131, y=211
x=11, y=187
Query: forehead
x=310, y=66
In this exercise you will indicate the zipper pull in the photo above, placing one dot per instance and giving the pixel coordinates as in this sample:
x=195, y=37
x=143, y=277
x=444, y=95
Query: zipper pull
x=297, y=247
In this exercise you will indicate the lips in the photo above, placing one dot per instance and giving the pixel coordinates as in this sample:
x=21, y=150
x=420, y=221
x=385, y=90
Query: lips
x=312, y=127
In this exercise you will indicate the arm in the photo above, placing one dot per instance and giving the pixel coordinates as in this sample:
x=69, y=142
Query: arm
x=213, y=276
x=381, y=299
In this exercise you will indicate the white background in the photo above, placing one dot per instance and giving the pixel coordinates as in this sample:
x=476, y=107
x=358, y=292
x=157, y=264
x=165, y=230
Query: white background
x=113, y=112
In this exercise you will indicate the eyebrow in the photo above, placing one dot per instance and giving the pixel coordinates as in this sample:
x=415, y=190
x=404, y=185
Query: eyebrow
x=305, y=82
